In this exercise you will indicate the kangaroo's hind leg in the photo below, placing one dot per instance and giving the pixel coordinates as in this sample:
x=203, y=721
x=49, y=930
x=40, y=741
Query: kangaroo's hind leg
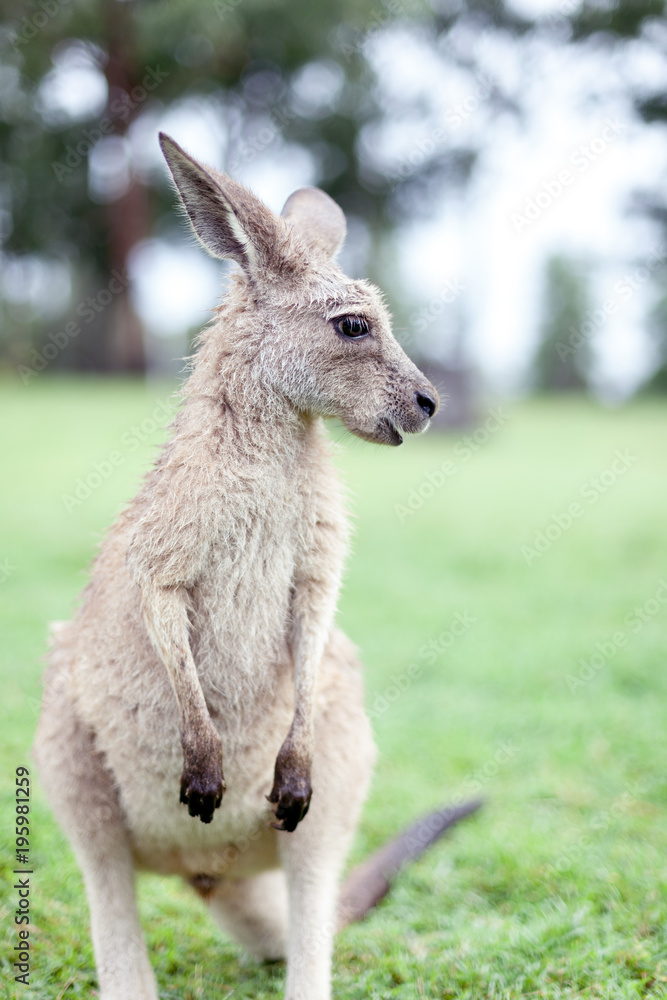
x=83, y=797
x=314, y=854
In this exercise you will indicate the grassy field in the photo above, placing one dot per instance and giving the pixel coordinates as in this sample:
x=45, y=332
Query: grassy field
x=508, y=653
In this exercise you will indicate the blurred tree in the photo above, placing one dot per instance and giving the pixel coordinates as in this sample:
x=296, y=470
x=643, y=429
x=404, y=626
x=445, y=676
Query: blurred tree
x=612, y=18
x=562, y=359
x=74, y=194
x=657, y=328
x=239, y=54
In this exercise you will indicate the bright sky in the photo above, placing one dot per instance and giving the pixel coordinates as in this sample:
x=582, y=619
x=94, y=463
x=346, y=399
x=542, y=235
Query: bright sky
x=490, y=244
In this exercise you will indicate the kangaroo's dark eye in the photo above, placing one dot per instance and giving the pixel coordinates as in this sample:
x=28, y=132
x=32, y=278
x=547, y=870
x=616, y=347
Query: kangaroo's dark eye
x=351, y=326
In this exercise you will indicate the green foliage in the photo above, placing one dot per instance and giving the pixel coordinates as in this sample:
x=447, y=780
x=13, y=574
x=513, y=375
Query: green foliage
x=556, y=889
x=562, y=360
x=620, y=20
x=657, y=328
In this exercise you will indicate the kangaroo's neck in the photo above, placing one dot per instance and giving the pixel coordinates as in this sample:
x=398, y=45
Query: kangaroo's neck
x=229, y=382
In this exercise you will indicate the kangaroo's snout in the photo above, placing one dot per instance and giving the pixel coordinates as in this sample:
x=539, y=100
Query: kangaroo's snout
x=411, y=409
x=428, y=404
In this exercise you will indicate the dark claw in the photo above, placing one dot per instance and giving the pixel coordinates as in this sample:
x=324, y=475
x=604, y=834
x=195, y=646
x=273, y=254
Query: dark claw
x=202, y=795
x=293, y=802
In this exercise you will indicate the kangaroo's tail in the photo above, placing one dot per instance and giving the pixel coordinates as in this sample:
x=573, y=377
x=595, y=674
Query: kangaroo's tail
x=370, y=882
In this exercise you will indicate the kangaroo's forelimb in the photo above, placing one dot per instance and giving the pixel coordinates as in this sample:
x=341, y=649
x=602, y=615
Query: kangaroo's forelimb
x=165, y=615
x=313, y=608
x=166, y=555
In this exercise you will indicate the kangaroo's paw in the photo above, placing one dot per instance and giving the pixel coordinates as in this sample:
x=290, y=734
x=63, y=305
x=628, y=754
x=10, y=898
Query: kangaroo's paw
x=202, y=783
x=291, y=795
x=202, y=794
x=292, y=801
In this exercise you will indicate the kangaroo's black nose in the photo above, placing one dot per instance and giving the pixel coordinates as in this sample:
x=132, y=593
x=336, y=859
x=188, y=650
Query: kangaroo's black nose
x=426, y=404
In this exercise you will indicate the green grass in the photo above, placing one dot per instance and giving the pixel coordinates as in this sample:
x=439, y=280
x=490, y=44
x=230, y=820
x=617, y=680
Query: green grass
x=557, y=887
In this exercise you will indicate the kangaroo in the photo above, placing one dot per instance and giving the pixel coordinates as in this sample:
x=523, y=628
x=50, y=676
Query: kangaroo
x=202, y=694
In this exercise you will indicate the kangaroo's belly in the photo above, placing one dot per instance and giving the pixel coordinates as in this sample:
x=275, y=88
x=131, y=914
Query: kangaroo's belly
x=165, y=838
x=240, y=618
x=140, y=740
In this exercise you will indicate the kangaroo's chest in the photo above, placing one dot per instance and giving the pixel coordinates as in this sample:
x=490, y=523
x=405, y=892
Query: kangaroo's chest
x=242, y=602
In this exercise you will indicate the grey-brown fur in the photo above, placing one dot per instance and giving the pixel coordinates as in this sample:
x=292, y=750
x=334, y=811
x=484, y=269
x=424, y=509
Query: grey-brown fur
x=205, y=643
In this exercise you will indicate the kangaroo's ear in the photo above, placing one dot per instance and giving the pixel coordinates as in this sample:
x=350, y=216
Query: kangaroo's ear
x=317, y=219
x=228, y=220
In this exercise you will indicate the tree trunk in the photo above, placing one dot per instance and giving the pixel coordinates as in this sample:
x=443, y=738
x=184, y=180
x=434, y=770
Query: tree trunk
x=128, y=217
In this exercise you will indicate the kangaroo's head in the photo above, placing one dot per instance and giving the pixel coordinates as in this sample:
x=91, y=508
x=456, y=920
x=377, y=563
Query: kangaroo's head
x=321, y=340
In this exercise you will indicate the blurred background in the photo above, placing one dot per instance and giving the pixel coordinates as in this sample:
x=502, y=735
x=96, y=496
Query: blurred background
x=501, y=165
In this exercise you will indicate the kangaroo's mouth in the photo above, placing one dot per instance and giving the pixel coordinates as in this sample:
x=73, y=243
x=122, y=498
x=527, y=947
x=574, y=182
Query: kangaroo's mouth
x=390, y=432
x=384, y=432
